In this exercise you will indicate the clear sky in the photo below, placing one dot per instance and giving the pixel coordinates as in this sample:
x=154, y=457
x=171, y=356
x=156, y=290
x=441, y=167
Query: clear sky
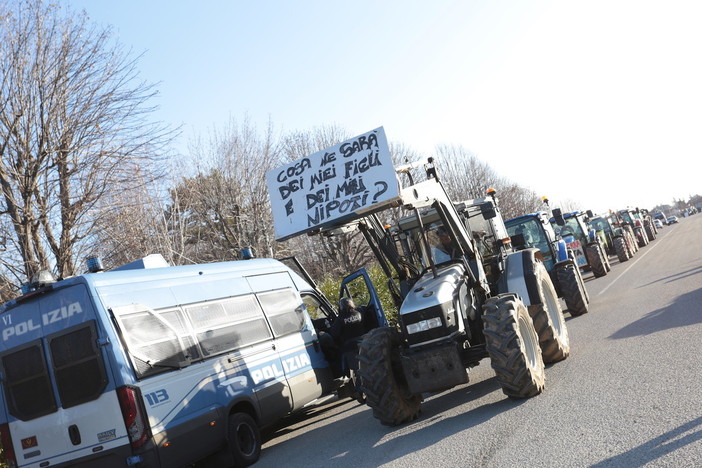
x=597, y=102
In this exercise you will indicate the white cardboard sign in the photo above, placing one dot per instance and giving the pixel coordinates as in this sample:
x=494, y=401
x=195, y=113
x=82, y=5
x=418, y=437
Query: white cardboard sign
x=333, y=185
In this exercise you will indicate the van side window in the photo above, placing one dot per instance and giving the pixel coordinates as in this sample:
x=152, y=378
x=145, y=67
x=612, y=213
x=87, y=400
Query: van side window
x=27, y=387
x=228, y=324
x=153, y=342
x=78, y=366
x=284, y=311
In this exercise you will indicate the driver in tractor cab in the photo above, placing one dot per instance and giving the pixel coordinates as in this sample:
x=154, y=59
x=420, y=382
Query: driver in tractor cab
x=525, y=235
x=443, y=247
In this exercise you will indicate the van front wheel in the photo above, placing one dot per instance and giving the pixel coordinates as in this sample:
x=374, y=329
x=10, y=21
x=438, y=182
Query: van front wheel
x=244, y=439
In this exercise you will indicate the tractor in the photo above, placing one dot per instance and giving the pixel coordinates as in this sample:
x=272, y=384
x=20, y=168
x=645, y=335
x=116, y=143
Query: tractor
x=641, y=224
x=619, y=240
x=587, y=245
x=450, y=315
x=535, y=231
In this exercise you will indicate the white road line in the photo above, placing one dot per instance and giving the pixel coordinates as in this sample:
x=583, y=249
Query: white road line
x=630, y=266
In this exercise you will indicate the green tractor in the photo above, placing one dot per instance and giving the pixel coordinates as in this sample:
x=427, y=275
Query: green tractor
x=619, y=240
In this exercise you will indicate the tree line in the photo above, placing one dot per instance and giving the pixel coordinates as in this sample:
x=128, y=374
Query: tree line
x=84, y=171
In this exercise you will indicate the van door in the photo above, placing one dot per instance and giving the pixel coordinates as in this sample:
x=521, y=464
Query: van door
x=58, y=395
x=359, y=287
x=305, y=367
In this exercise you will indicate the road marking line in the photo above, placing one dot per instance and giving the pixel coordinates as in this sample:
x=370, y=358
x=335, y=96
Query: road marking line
x=630, y=266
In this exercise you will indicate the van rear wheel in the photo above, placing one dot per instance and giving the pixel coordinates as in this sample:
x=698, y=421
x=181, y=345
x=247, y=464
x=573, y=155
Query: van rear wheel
x=244, y=439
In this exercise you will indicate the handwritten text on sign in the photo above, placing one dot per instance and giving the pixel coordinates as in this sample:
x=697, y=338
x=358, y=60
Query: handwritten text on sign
x=332, y=184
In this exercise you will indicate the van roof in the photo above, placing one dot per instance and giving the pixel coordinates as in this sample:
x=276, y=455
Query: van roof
x=134, y=274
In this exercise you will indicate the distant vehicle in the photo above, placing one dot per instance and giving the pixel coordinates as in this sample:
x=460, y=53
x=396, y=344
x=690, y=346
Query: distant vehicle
x=672, y=219
x=662, y=216
x=658, y=223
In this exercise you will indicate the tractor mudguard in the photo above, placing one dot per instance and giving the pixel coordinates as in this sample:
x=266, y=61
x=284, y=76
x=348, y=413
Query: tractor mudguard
x=561, y=251
x=591, y=236
x=519, y=276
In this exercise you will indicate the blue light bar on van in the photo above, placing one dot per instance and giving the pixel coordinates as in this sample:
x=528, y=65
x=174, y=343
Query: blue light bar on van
x=94, y=264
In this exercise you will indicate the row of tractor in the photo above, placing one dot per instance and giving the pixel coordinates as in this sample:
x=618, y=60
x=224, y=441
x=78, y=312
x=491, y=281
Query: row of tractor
x=467, y=284
x=578, y=241
x=187, y=362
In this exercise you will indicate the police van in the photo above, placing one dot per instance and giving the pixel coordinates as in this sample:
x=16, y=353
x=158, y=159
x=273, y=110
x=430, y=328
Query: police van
x=150, y=365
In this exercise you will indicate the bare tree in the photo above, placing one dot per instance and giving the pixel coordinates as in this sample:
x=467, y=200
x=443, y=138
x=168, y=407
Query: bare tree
x=224, y=207
x=73, y=130
x=463, y=174
x=516, y=200
x=139, y=223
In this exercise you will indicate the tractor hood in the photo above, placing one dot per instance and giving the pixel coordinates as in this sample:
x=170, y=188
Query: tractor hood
x=432, y=291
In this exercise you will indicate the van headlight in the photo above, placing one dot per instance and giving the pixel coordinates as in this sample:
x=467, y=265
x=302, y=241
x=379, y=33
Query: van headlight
x=424, y=325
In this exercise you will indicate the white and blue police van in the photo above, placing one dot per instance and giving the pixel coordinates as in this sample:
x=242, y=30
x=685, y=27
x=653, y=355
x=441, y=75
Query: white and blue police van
x=151, y=365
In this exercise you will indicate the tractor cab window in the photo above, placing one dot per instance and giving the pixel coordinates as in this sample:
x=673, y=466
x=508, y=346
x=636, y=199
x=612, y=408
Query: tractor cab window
x=533, y=234
x=484, y=236
x=571, y=228
x=442, y=247
x=600, y=224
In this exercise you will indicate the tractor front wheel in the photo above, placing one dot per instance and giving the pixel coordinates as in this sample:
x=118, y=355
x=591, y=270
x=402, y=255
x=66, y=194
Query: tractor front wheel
x=620, y=248
x=594, y=259
x=381, y=378
x=573, y=289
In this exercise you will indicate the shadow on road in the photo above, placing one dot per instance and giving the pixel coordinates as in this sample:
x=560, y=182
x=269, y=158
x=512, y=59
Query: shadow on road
x=684, y=311
x=326, y=447
x=656, y=448
x=309, y=416
x=676, y=276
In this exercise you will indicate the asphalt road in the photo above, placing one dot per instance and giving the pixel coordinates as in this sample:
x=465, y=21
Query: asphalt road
x=629, y=395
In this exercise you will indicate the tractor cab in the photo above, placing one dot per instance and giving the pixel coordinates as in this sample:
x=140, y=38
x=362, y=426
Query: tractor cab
x=484, y=221
x=534, y=230
x=572, y=228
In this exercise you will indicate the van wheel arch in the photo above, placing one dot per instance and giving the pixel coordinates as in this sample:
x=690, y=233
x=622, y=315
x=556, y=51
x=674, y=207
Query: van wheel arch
x=243, y=438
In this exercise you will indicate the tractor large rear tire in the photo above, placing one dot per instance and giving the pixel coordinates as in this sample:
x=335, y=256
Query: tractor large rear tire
x=650, y=233
x=620, y=248
x=594, y=259
x=381, y=378
x=573, y=289
x=513, y=346
x=548, y=319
